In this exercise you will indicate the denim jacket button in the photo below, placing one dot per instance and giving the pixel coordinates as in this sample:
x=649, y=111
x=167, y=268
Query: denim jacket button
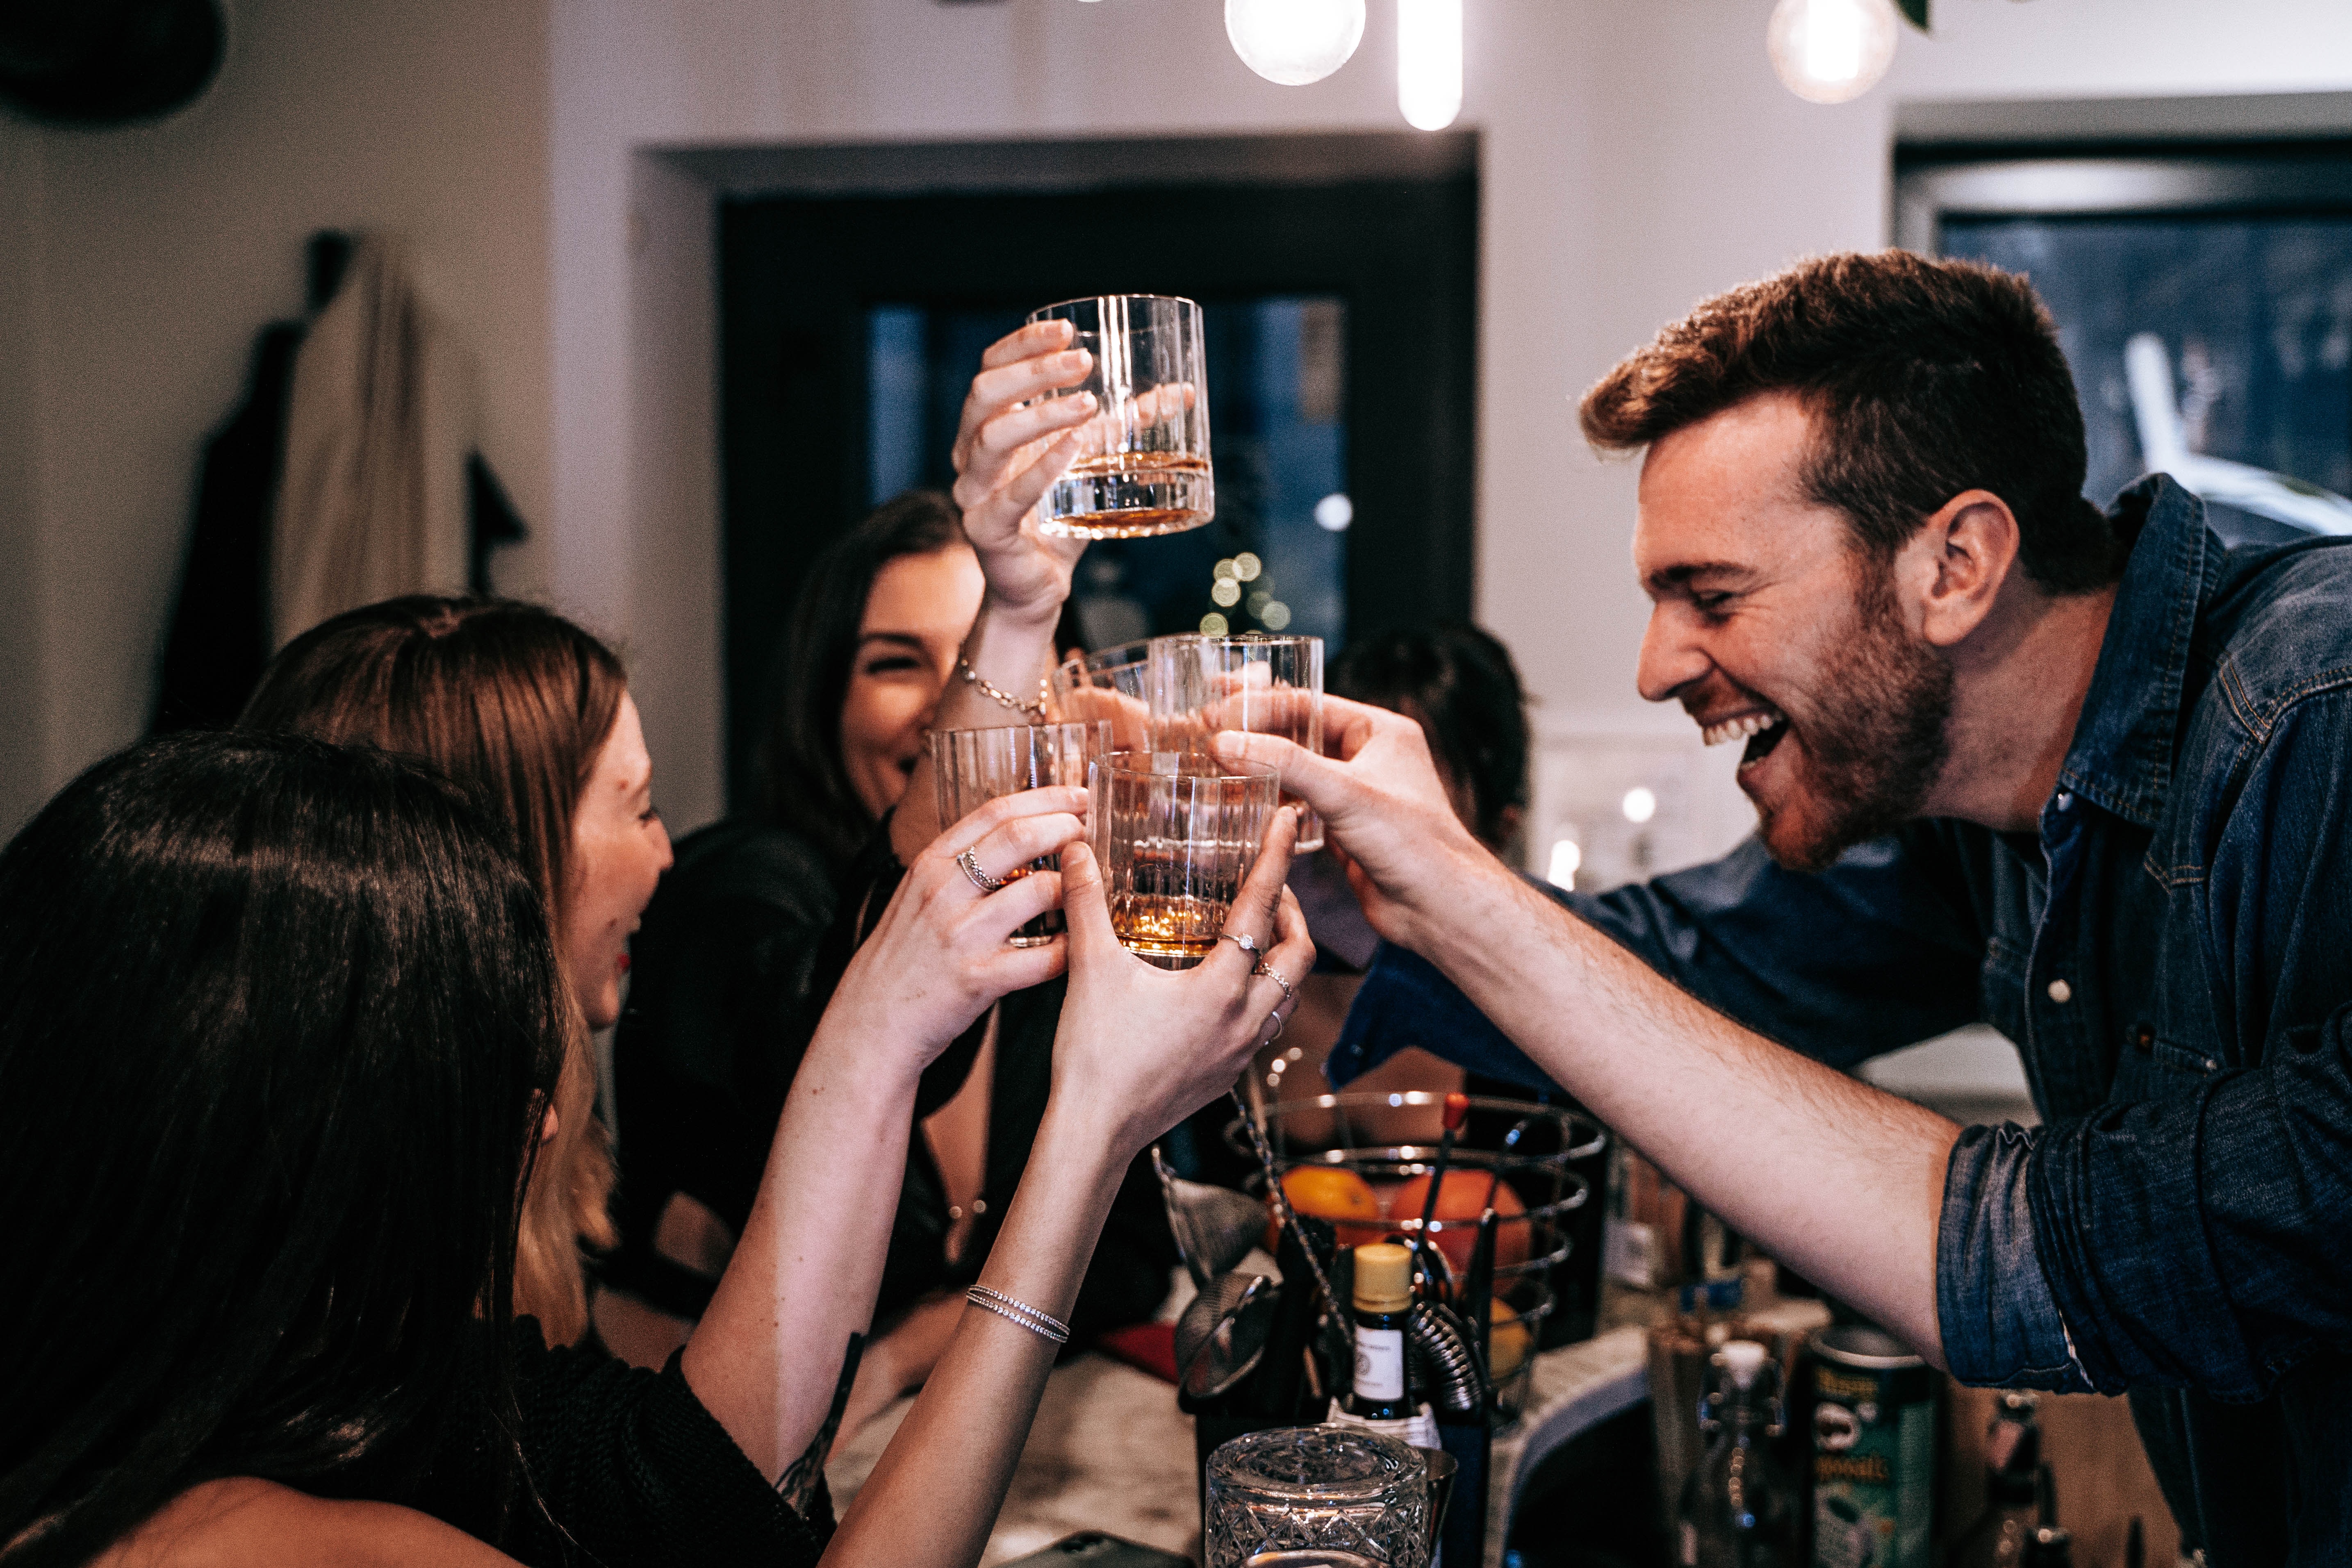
x=2066, y=799
x=2060, y=993
x=2144, y=1039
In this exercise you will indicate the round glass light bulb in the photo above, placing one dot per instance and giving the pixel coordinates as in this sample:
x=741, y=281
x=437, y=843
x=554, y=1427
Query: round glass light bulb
x=1827, y=51
x=1294, y=42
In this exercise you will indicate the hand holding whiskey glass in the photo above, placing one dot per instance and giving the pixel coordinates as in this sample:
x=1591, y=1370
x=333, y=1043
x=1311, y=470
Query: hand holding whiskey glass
x=1257, y=683
x=972, y=767
x=1175, y=834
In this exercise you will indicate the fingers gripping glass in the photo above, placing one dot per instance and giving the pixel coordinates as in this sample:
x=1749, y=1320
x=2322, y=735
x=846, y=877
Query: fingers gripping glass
x=1143, y=459
x=972, y=767
x=1198, y=685
x=1175, y=834
x=1108, y=684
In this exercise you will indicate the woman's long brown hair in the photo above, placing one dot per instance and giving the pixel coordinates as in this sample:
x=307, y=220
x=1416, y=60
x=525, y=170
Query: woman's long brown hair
x=514, y=703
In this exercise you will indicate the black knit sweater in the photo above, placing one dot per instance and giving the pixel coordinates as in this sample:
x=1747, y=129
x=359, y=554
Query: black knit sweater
x=628, y=1468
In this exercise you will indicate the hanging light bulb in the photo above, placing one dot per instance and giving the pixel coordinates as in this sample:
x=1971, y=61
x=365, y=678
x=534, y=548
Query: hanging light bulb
x=1827, y=51
x=1429, y=62
x=1294, y=42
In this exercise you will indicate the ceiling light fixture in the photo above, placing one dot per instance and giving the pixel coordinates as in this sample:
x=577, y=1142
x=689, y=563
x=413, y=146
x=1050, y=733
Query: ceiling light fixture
x=1429, y=62
x=1294, y=42
x=1828, y=51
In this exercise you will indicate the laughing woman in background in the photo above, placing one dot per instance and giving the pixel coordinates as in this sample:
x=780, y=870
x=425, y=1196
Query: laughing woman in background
x=725, y=984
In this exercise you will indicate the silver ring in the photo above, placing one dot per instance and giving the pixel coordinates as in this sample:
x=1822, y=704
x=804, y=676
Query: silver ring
x=1242, y=939
x=1275, y=1018
x=980, y=878
x=1274, y=975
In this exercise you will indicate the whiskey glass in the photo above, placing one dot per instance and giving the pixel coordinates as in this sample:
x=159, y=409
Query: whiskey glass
x=1259, y=683
x=1142, y=467
x=1175, y=834
x=972, y=767
x=1106, y=686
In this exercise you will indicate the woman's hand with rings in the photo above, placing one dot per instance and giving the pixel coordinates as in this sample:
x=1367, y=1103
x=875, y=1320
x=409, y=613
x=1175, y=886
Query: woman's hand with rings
x=1289, y=993
x=1139, y=1048
x=940, y=954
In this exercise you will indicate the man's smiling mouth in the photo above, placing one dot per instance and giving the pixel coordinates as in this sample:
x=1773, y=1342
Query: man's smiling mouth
x=1762, y=728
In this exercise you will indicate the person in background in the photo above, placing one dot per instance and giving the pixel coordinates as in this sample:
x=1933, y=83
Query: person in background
x=532, y=716
x=724, y=979
x=282, y=1025
x=734, y=960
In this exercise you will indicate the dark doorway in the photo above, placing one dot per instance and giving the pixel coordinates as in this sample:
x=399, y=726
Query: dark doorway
x=814, y=290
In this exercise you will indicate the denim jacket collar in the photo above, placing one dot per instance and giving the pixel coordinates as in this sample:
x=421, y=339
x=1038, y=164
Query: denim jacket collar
x=2122, y=755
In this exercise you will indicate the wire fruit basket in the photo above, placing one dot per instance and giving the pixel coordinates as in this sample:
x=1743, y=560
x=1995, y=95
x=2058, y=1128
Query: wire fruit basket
x=1381, y=1148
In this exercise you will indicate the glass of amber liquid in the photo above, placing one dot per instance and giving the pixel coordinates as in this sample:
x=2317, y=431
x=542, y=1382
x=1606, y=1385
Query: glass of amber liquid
x=1143, y=459
x=1175, y=834
x=972, y=767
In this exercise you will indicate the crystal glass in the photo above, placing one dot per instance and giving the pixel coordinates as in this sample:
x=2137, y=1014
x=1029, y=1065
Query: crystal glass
x=1328, y=1494
x=1108, y=684
x=1198, y=685
x=972, y=767
x=1175, y=833
x=1143, y=459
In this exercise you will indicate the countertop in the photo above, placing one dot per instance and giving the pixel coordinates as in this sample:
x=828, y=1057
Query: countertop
x=1110, y=1451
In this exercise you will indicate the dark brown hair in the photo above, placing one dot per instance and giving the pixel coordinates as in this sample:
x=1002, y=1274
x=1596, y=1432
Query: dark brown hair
x=276, y=1023
x=1459, y=682
x=1924, y=378
x=800, y=780
x=514, y=703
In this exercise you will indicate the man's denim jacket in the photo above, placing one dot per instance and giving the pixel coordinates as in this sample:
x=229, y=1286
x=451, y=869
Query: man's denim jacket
x=2172, y=955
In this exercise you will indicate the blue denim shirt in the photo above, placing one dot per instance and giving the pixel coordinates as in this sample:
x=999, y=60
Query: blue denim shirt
x=2172, y=955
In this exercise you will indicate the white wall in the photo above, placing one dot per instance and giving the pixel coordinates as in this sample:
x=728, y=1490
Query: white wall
x=138, y=264
x=1638, y=154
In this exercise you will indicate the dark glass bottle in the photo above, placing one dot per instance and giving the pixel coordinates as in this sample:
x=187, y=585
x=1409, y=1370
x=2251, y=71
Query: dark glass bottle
x=1382, y=1302
x=1737, y=1508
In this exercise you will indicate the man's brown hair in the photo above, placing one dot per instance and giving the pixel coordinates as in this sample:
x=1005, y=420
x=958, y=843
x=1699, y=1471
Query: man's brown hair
x=514, y=704
x=1924, y=378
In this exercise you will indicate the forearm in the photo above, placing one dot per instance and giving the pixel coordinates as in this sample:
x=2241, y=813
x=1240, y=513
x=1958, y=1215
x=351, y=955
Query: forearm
x=1843, y=1182
x=766, y=1356
x=1012, y=650
x=933, y=1498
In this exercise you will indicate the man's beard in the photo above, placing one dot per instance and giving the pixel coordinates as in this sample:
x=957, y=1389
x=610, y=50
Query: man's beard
x=1877, y=743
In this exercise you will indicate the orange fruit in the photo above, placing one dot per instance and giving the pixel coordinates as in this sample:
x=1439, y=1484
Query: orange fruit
x=1459, y=1201
x=1330, y=1193
x=1508, y=1342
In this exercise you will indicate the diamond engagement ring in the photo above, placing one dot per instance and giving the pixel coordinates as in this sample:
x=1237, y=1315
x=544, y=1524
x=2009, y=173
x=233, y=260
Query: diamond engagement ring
x=980, y=878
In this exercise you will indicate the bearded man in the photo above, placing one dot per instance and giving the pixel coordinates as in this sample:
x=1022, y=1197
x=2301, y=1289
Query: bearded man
x=2082, y=776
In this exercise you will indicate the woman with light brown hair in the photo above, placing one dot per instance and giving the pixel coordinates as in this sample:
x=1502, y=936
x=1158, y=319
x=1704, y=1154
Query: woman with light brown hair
x=531, y=716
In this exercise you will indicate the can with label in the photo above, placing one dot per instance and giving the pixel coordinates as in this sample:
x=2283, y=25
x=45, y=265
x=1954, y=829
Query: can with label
x=1873, y=1451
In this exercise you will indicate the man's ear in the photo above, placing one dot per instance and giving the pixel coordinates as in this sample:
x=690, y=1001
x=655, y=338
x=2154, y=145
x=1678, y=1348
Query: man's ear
x=1958, y=562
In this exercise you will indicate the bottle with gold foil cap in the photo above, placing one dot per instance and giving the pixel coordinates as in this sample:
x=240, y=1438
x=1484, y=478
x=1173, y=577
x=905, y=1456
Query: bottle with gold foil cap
x=1382, y=1302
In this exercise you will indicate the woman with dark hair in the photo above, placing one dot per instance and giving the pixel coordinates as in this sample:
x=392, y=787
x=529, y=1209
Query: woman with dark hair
x=723, y=985
x=281, y=1023
x=532, y=715
x=738, y=947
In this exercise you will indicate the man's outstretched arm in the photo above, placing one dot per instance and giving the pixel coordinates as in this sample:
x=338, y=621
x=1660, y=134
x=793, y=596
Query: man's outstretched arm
x=1840, y=1181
